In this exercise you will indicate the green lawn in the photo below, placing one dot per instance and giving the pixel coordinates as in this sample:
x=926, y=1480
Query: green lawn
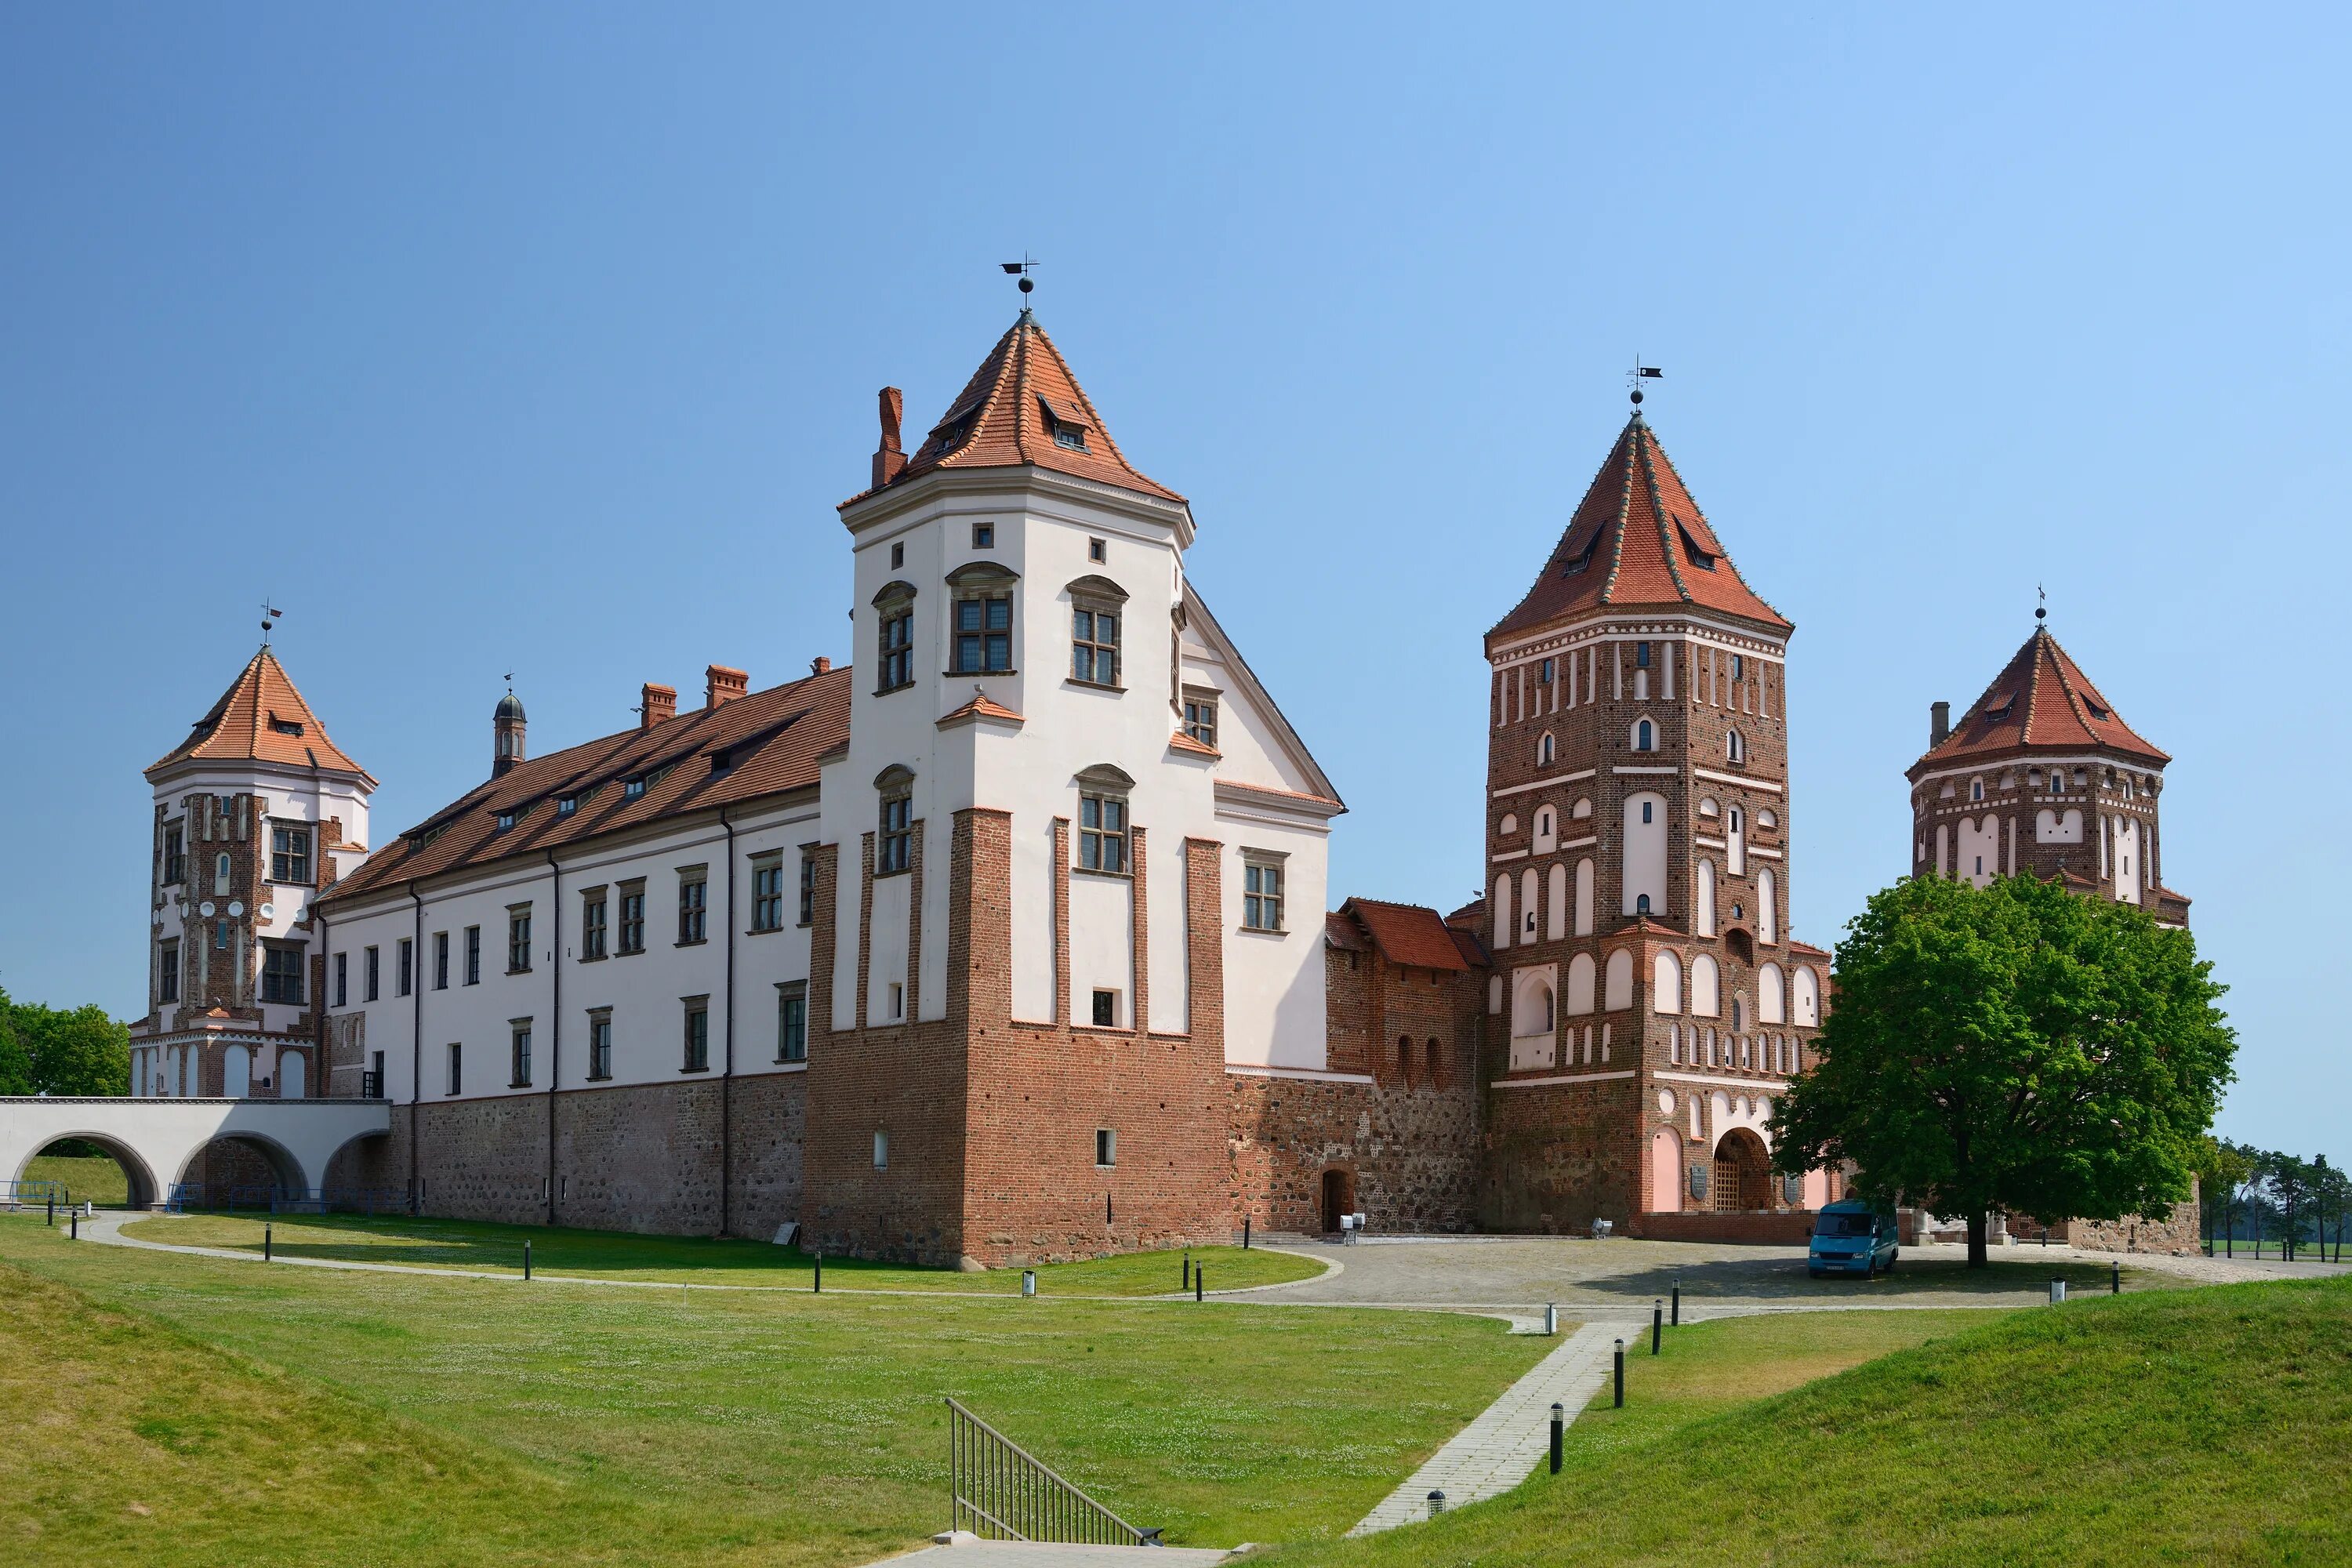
x=313, y=1415
x=98, y=1180
x=2190, y=1426
x=701, y=1260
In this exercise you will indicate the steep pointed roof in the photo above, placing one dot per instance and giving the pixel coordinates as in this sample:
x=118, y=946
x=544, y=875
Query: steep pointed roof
x=2041, y=701
x=1638, y=540
x=1006, y=415
x=261, y=717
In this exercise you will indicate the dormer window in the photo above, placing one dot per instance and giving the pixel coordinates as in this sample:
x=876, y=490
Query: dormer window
x=1698, y=557
x=505, y=820
x=1582, y=558
x=566, y=805
x=632, y=788
x=1068, y=425
x=294, y=726
x=2096, y=712
x=950, y=435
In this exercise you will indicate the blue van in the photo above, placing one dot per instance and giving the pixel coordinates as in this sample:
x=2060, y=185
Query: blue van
x=1852, y=1237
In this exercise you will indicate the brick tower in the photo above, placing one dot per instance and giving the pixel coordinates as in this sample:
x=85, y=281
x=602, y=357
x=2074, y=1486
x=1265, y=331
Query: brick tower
x=2042, y=776
x=1648, y=1001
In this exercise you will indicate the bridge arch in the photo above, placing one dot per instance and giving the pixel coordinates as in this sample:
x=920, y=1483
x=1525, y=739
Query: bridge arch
x=138, y=1180
x=287, y=1175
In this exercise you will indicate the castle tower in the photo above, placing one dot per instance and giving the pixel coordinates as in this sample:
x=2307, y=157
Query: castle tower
x=2041, y=777
x=1648, y=1000
x=255, y=813
x=507, y=727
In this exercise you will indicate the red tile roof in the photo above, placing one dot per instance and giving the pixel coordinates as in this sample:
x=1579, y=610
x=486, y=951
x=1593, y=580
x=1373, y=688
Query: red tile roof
x=766, y=743
x=1004, y=418
x=261, y=717
x=2043, y=701
x=1342, y=931
x=1637, y=541
x=1407, y=935
x=981, y=706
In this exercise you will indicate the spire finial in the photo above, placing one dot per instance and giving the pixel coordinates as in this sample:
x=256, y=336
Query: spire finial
x=1634, y=377
x=1021, y=269
x=267, y=616
x=2040, y=606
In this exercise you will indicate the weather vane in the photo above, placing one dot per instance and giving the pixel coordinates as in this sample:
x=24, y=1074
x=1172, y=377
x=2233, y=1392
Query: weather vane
x=2041, y=603
x=1638, y=375
x=268, y=615
x=1021, y=269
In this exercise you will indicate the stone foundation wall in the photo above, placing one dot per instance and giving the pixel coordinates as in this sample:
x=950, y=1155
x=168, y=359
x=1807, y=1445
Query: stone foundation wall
x=1558, y=1157
x=1778, y=1228
x=1411, y=1156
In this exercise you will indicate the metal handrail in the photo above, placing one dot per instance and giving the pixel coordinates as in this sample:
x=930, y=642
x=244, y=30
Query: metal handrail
x=1003, y=1491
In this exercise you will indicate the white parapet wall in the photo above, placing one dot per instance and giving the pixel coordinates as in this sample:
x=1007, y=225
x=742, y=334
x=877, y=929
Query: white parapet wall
x=155, y=1140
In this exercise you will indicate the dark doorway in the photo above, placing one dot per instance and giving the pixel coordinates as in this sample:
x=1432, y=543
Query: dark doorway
x=1338, y=1198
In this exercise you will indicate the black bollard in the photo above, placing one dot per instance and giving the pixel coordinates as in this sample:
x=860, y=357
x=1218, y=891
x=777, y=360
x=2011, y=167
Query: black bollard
x=76, y=1220
x=1245, y=1233
x=265, y=1243
x=1657, y=1324
x=1621, y=1375
x=526, y=1260
x=817, y=1282
x=1678, y=1304
x=53, y=1208
x=2115, y=1279
x=1198, y=1276
x=1188, y=1271
x=1558, y=1423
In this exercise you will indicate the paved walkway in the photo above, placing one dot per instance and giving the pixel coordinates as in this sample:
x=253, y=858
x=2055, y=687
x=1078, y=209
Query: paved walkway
x=1036, y=1554
x=1497, y=1451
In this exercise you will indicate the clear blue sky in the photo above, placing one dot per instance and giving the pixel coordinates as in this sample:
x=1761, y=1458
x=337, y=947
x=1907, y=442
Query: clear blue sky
x=546, y=339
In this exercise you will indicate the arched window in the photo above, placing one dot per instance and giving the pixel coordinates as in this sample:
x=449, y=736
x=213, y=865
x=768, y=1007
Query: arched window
x=1556, y=893
x=1667, y=983
x=1708, y=807
x=893, y=840
x=1770, y=1006
x=1705, y=987
x=1534, y=1009
x=1543, y=750
x=1641, y=903
x=1103, y=825
x=1617, y=980
x=1735, y=842
x=1584, y=898
x=1738, y=1013
x=1581, y=809
x=1404, y=1060
x=1767, y=925
x=1547, y=830
x=1529, y=902
x=1735, y=746
x=1808, y=998
x=1580, y=984
x=894, y=611
x=982, y=608
x=220, y=875
x=1645, y=736
x=1502, y=910
x=1705, y=897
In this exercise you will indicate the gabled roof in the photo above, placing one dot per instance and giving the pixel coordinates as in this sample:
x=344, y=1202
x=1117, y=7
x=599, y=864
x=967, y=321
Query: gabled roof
x=1005, y=418
x=1638, y=540
x=2041, y=701
x=1198, y=619
x=1407, y=935
x=261, y=718
x=763, y=744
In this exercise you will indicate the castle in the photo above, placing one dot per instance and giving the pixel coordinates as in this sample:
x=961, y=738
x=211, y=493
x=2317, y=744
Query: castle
x=1012, y=944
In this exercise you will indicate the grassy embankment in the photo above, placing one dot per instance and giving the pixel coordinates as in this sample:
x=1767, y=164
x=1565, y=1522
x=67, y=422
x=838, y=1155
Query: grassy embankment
x=92, y=1178
x=701, y=1260
x=175, y=1409
x=2190, y=1426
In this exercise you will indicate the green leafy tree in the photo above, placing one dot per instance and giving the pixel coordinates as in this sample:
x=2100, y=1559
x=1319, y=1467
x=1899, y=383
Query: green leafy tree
x=2013, y=1048
x=2287, y=1183
x=15, y=1063
x=2221, y=1173
x=75, y=1051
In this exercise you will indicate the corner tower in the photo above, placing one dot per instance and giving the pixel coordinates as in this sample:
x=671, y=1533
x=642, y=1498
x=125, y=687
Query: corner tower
x=2042, y=777
x=1648, y=1001
x=255, y=813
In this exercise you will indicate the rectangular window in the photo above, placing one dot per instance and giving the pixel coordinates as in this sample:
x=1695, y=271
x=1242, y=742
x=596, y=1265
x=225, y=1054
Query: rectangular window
x=1640, y=656
x=372, y=975
x=983, y=634
x=691, y=892
x=1738, y=667
x=768, y=893
x=897, y=651
x=342, y=980
x=1106, y=1013
x=897, y=556
x=1106, y=1148
x=1102, y=833
x=522, y=1056
x=281, y=973
x=633, y=917
x=167, y=973
x=440, y=960
x=1201, y=720
x=984, y=536
x=591, y=925
x=518, y=940
x=1543, y=673
x=175, y=854
x=894, y=848
x=808, y=889
x=599, y=1042
x=473, y=955
x=881, y=1150
x=897, y=1003
x=289, y=853
x=1093, y=646
x=791, y=1021
x=1096, y=550
x=456, y=1068
x=220, y=936
x=698, y=1034
x=407, y=965
x=1261, y=894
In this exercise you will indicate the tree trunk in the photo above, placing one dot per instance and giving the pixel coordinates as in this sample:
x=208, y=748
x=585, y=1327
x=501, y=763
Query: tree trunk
x=1978, y=1226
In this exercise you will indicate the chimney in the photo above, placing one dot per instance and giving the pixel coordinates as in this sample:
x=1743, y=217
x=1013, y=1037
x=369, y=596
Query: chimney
x=1939, y=723
x=720, y=685
x=888, y=458
x=659, y=702
x=820, y=663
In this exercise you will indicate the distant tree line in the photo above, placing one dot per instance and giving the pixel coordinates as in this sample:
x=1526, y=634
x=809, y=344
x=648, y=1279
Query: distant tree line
x=2262, y=1195
x=57, y=1051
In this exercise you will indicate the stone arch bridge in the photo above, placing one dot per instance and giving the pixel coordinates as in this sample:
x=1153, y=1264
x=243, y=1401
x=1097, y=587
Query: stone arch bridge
x=156, y=1140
